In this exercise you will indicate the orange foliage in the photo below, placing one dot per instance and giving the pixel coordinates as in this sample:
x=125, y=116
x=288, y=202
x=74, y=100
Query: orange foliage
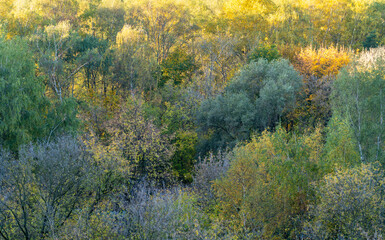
x=321, y=62
x=318, y=67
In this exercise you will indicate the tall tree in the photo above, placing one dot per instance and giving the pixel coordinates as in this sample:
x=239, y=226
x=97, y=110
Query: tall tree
x=26, y=114
x=359, y=96
x=142, y=146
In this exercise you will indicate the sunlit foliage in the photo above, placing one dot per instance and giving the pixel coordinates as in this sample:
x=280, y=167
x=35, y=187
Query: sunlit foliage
x=258, y=195
x=198, y=119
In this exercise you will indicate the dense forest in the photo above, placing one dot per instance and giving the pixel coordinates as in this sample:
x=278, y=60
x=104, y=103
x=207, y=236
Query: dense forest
x=192, y=119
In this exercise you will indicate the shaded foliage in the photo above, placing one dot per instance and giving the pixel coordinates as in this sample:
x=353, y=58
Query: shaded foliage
x=42, y=189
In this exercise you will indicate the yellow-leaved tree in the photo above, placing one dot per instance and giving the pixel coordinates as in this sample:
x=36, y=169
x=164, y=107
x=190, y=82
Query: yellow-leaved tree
x=351, y=205
x=268, y=183
x=318, y=68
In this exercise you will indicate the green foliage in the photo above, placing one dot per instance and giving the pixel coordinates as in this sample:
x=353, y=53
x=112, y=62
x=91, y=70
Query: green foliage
x=25, y=113
x=359, y=96
x=351, y=205
x=184, y=156
x=254, y=100
x=229, y=116
x=370, y=41
x=21, y=95
x=52, y=46
x=268, y=183
x=141, y=145
x=93, y=51
x=265, y=51
x=181, y=59
x=178, y=67
x=340, y=148
x=178, y=109
x=108, y=21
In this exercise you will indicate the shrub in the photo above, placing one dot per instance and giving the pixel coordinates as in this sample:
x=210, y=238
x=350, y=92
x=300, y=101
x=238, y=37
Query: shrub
x=351, y=205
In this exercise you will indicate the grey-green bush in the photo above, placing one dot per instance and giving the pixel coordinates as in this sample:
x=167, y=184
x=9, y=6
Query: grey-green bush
x=255, y=99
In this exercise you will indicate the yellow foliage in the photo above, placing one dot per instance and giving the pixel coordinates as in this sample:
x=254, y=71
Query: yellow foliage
x=321, y=62
x=318, y=67
x=109, y=156
x=269, y=180
x=60, y=30
x=129, y=35
x=234, y=8
x=351, y=204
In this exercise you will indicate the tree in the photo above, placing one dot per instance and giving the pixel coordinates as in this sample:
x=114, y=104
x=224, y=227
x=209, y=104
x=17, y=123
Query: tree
x=254, y=100
x=21, y=99
x=358, y=96
x=340, y=149
x=370, y=41
x=134, y=66
x=146, y=151
x=165, y=26
x=269, y=183
x=41, y=189
x=265, y=51
x=178, y=117
x=178, y=67
x=62, y=53
x=94, y=52
x=25, y=113
x=351, y=205
x=162, y=24
x=319, y=67
x=108, y=22
x=221, y=57
x=247, y=15
x=155, y=214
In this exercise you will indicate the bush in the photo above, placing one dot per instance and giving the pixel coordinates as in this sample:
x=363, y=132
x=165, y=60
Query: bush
x=152, y=213
x=207, y=170
x=351, y=205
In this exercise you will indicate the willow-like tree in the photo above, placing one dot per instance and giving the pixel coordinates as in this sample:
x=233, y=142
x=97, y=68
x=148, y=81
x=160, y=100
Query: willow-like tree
x=26, y=114
x=256, y=99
